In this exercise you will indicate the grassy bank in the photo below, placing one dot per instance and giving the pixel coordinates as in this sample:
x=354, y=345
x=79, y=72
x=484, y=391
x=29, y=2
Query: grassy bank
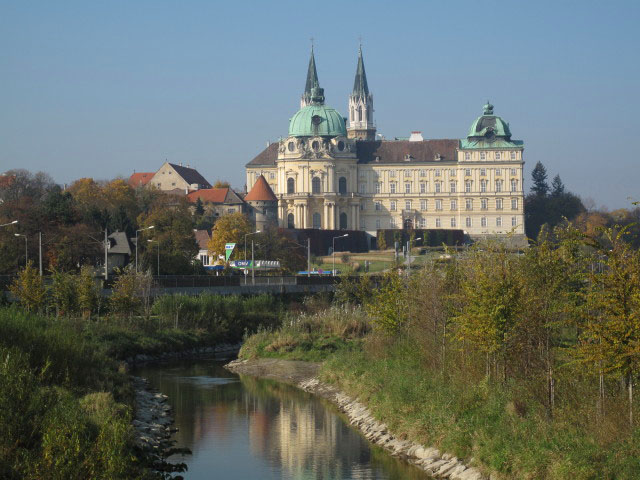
x=66, y=403
x=310, y=336
x=495, y=424
x=525, y=363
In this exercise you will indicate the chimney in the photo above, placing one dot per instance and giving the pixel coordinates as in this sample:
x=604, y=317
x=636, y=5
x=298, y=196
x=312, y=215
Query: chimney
x=416, y=137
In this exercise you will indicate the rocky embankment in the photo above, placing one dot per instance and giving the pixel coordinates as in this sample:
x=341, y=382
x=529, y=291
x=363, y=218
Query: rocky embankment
x=152, y=423
x=304, y=375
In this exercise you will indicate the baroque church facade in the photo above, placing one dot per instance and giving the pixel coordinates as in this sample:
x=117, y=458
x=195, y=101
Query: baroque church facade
x=336, y=173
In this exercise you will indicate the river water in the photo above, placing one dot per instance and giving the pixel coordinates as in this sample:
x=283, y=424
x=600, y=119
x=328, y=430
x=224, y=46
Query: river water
x=245, y=428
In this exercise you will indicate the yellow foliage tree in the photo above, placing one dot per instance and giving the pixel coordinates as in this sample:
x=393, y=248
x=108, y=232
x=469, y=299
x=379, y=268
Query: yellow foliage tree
x=29, y=288
x=229, y=229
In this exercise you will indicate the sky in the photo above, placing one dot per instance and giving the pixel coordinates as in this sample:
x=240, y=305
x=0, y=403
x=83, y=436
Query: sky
x=100, y=89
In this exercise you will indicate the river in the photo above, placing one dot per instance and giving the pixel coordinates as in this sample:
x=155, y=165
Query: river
x=246, y=428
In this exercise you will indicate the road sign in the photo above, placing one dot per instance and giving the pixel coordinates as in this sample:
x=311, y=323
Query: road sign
x=229, y=250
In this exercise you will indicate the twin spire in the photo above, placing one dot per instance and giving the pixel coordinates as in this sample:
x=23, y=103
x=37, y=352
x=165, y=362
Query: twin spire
x=360, y=86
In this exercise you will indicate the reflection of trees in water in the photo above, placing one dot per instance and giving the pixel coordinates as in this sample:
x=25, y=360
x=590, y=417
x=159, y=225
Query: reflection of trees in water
x=289, y=428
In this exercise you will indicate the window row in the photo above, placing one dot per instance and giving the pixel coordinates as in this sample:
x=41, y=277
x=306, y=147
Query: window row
x=496, y=155
x=440, y=223
x=453, y=204
x=438, y=187
x=440, y=172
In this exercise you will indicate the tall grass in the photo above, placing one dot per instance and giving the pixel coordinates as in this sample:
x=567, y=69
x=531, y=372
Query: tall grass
x=58, y=415
x=310, y=336
x=227, y=316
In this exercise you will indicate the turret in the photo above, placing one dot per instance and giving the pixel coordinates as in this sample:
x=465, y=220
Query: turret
x=312, y=82
x=361, y=124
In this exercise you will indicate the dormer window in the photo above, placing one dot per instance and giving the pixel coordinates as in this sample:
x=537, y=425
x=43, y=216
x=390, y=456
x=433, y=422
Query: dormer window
x=498, y=156
x=407, y=158
x=377, y=158
x=291, y=146
x=483, y=156
x=438, y=157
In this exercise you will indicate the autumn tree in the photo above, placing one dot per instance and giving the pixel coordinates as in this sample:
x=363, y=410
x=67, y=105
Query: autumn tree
x=610, y=323
x=29, y=288
x=230, y=228
x=491, y=303
x=221, y=184
x=173, y=229
x=389, y=306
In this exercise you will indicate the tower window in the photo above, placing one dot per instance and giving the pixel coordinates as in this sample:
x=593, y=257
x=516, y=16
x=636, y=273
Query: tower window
x=359, y=114
x=291, y=185
x=342, y=185
x=316, y=219
x=316, y=185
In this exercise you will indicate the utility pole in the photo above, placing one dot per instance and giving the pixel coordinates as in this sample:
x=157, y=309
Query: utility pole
x=106, y=258
x=253, y=266
x=308, y=256
x=40, y=250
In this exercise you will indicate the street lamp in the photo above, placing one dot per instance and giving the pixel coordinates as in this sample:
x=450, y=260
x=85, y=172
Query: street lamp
x=26, y=251
x=146, y=228
x=158, y=242
x=10, y=223
x=333, y=252
x=409, y=253
x=245, y=255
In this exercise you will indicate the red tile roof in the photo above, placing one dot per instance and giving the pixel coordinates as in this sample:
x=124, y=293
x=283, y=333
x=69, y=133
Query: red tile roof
x=202, y=238
x=140, y=178
x=211, y=195
x=261, y=191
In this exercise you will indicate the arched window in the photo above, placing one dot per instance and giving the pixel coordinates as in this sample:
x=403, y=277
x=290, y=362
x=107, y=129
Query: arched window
x=353, y=115
x=290, y=221
x=342, y=185
x=359, y=114
x=316, y=185
x=291, y=185
x=317, y=220
x=343, y=221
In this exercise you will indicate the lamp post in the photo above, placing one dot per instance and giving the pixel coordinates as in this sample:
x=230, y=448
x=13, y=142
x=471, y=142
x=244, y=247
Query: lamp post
x=158, y=242
x=146, y=228
x=333, y=252
x=26, y=251
x=245, y=253
x=10, y=223
x=409, y=253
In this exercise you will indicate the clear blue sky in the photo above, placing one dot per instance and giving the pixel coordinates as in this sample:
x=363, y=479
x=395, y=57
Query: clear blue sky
x=102, y=88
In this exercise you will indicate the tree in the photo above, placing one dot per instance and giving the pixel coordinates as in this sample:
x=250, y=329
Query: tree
x=221, y=184
x=539, y=175
x=230, y=228
x=29, y=289
x=557, y=187
x=87, y=291
x=491, y=294
x=389, y=306
x=64, y=293
x=199, y=210
x=173, y=229
x=272, y=244
x=610, y=324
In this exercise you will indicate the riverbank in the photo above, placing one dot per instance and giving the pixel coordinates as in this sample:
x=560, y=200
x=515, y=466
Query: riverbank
x=304, y=375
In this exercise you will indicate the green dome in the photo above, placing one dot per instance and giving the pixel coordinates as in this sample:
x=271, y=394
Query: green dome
x=317, y=120
x=489, y=125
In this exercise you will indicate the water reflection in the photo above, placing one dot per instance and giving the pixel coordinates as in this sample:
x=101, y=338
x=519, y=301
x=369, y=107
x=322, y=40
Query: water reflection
x=245, y=428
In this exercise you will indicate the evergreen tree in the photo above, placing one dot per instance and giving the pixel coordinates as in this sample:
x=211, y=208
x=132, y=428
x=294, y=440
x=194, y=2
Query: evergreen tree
x=199, y=208
x=540, y=186
x=557, y=187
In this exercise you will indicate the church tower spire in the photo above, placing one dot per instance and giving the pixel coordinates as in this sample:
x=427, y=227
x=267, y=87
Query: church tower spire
x=312, y=81
x=361, y=124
